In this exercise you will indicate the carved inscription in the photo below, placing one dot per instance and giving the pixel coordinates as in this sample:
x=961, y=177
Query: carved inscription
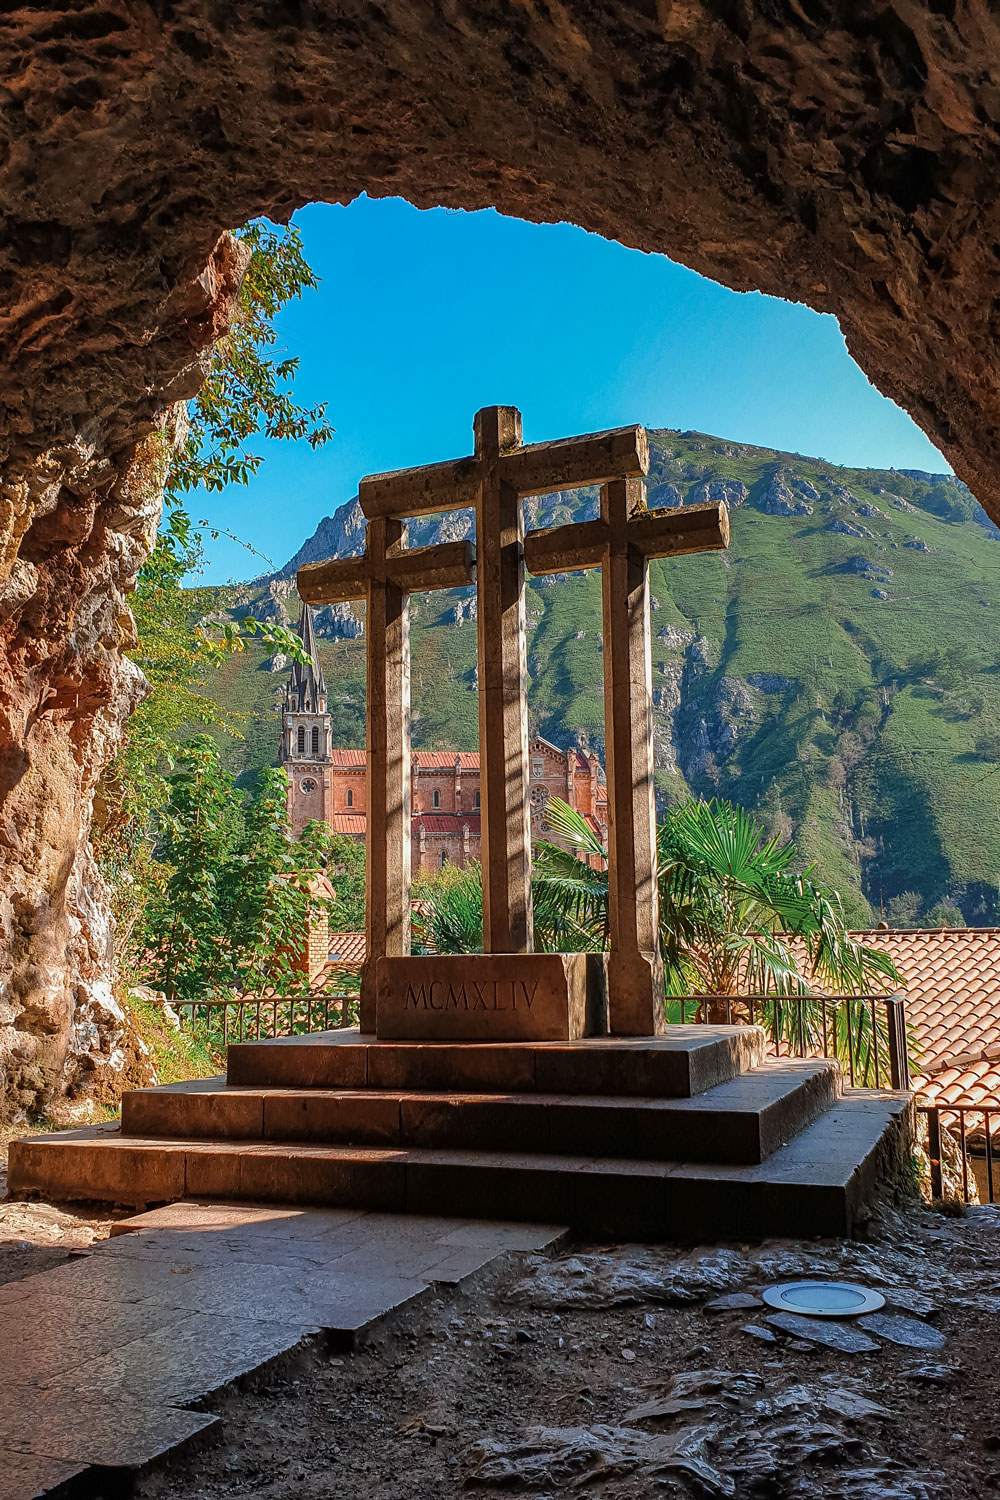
x=498, y=997
x=496, y=994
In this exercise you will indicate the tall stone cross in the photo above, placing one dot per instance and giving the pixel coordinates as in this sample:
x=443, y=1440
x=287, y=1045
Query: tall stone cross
x=620, y=543
x=492, y=481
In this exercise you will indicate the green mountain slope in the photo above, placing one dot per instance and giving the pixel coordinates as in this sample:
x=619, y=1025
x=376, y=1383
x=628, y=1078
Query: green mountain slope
x=836, y=669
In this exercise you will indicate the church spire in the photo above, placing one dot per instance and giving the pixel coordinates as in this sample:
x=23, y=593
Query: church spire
x=306, y=691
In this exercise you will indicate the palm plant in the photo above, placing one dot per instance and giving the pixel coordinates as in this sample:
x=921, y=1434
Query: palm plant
x=449, y=914
x=735, y=919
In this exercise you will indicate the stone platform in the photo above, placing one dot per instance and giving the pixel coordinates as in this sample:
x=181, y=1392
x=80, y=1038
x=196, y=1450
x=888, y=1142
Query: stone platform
x=687, y=1136
x=103, y=1358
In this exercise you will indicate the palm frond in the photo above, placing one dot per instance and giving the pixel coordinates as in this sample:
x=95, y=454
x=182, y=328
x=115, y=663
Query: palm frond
x=567, y=823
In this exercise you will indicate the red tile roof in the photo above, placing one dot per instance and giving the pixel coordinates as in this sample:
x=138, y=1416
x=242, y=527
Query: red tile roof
x=424, y=760
x=349, y=758
x=444, y=760
x=952, y=982
x=347, y=950
x=351, y=823
x=447, y=822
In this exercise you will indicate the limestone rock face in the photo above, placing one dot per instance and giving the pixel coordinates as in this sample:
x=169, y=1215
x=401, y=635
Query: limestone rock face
x=271, y=606
x=785, y=495
x=339, y=535
x=76, y=523
x=732, y=491
x=850, y=165
x=338, y=622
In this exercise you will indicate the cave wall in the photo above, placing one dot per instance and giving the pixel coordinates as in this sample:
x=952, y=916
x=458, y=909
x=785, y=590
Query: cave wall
x=842, y=155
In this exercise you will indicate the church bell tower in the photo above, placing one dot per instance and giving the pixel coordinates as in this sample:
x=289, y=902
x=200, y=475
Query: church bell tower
x=305, y=736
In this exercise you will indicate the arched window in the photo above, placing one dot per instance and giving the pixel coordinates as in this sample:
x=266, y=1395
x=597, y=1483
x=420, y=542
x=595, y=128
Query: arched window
x=301, y=740
x=477, y=799
x=444, y=858
x=349, y=800
x=315, y=740
x=437, y=797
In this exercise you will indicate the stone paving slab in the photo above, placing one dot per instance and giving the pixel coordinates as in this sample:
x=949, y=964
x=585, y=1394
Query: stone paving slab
x=909, y=1333
x=104, y=1433
x=100, y=1358
x=261, y=1218
x=43, y=1334
x=31, y=1475
x=184, y=1362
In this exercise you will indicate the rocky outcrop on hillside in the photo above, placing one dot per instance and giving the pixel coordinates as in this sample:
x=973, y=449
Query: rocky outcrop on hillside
x=864, y=567
x=847, y=528
x=271, y=606
x=337, y=622
x=731, y=492
x=786, y=494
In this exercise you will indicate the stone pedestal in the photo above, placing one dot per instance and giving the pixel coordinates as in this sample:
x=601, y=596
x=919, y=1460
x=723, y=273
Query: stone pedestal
x=501, y=997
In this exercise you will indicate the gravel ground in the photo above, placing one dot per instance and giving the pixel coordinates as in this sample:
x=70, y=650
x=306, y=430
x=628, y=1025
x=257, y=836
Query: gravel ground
x=606, y=1372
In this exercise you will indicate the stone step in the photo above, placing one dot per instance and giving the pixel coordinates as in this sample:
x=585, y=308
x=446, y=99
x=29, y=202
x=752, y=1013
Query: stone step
x=685, y=1062
x=815, y=1185
x=743, y=1120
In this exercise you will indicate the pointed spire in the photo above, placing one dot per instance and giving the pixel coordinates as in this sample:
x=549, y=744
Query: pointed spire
x=306, y=691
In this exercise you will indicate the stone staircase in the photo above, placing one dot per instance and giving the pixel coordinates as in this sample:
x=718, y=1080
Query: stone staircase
x=688, y=1136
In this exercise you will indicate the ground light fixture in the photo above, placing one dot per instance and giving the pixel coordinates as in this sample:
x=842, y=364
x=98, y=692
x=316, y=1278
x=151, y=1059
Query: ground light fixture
x=823, y=1299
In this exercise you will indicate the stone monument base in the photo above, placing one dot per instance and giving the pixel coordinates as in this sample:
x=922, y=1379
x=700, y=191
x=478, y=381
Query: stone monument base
x=492, y=997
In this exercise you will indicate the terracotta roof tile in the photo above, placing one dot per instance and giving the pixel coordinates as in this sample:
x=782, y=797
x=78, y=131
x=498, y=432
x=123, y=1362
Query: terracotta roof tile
x=347, y=950
x=446, y=822
x=444, y=760
x=952, y=983
x=348, y=758
x=352, y=823
x=424, y=760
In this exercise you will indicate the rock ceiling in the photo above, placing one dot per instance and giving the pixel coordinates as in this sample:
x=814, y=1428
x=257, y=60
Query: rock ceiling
x=842, y=155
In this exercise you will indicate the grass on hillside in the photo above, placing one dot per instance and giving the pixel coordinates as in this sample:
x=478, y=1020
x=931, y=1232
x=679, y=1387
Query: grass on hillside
x=871, y=766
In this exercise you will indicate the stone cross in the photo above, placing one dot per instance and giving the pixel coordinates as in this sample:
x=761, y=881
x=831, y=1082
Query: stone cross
x=620, y=543
x=492, y=481
x=384, y=577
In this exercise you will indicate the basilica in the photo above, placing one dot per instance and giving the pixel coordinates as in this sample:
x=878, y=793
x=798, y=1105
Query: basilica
x=328, y=784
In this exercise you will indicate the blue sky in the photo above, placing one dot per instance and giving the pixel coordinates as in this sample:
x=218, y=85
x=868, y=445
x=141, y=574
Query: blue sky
x=423, y=317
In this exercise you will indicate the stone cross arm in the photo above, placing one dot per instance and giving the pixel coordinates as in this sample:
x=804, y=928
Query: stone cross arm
x=653, y=533
x=337, y=580
x=537, y=469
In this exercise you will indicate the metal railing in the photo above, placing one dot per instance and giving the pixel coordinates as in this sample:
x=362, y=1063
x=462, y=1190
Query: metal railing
x=968, y=1129
x=865, y=1033
x=258, y=1018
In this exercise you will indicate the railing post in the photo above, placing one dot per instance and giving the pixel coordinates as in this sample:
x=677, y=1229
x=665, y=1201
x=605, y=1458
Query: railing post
x=988, y=1122
x=899, y=1057
x=934, y=1151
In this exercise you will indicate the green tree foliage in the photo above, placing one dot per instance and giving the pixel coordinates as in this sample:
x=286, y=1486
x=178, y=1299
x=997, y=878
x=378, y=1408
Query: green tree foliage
x=249, y=389
x=449, y=911
x=904, y=910
x=945, y=913
x=345, y=870
x=730, y=904
x=948, y=503
x=235, y=894
x=249, y=393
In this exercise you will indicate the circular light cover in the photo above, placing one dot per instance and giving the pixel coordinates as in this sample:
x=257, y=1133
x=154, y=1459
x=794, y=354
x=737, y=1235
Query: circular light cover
x=823, y=1299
